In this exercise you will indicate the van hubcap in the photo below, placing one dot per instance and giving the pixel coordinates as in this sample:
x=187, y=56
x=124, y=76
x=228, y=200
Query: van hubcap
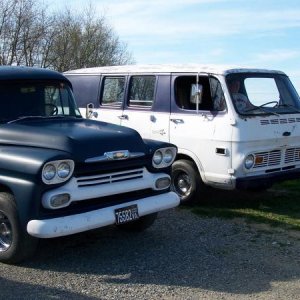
x=182, y=184
x=5, y=233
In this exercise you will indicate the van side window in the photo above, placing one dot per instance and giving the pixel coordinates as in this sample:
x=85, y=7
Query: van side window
x=113, y=91
x=217, y=95
x=185, y=90
x=141, y=92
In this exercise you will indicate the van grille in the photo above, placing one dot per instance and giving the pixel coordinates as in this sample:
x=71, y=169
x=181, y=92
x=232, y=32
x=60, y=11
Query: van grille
x=109, y=178
x=267, y=159
x=292, y=155
x=279, y=121
x=277, y=158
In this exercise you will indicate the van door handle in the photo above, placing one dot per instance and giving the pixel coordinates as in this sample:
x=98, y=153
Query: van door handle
x=152, y=118
x=123, y=117
x=177, y=121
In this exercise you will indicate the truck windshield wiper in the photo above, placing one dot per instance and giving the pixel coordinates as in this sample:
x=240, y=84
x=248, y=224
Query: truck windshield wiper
x=26, y=118
x=40, y=117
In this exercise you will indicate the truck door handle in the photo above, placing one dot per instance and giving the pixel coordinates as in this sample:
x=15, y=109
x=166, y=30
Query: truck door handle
x=123, y=117
x=177, y=121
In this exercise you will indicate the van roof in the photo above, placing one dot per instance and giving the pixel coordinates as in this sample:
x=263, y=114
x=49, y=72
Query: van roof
x=167, y=69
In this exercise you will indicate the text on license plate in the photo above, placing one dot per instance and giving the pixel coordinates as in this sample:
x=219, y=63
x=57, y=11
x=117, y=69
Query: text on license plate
x=126, y=214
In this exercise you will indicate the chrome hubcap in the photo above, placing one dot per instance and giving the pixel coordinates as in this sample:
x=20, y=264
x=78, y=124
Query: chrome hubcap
x=183, y=184
x=5, y=233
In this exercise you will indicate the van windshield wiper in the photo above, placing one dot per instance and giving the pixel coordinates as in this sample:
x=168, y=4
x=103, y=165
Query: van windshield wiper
x=290, y=106
x=264, y=109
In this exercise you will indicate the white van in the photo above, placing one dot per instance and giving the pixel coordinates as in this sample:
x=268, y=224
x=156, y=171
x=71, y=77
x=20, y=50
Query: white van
x=235, y=128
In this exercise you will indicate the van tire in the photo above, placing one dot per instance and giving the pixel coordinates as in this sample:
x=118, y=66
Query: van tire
x=186, y=181
x=139, y=225
x=15, y=243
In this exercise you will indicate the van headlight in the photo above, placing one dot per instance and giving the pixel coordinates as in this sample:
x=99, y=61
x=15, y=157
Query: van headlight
x=57, y=171
x=249, y=161
x=164, y=157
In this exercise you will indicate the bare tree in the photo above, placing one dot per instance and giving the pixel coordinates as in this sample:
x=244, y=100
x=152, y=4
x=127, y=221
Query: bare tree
x=29, y=36
x=85, y=41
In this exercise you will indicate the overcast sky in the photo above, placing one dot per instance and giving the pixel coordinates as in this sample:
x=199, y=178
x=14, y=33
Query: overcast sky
x=259, y=33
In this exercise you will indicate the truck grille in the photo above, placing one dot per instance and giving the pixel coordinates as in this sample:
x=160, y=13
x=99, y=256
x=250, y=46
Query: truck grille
x=109, y=178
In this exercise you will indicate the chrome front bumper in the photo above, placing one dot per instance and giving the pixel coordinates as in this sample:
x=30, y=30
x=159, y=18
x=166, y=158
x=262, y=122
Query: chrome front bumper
x=67, y=225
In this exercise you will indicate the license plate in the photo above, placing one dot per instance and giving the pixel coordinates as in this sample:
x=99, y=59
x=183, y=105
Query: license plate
x=126, y=214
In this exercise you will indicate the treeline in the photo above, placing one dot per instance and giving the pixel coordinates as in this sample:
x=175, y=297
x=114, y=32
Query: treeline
x=33, y=35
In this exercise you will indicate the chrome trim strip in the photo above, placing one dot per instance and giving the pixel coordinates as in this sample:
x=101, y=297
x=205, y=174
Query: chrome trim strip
x=107, y=157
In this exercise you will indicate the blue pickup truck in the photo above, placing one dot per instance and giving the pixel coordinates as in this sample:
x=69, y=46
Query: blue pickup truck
x=61, y=174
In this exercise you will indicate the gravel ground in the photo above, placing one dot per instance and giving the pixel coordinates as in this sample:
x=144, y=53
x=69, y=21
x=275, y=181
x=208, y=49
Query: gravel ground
x=182, y=256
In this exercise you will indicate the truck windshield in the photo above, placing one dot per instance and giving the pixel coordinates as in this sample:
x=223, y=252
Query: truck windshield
x=32, y=99
x=256, y=94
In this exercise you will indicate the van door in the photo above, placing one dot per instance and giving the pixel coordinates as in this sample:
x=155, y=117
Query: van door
x=142, y=110
x=197, y=129
x=112, y=94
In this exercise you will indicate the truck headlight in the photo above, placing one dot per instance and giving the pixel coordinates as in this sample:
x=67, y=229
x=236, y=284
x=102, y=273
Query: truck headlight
x=164, y=157
x=63, y=170
x=57, y=171
x=249, y=161
x=49, y=172
x=157, y=157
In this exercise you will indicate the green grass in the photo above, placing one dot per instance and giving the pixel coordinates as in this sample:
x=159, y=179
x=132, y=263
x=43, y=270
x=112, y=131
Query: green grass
x=278, y=206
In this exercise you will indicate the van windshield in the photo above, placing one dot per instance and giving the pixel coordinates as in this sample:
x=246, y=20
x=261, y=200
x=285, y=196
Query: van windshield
x=32, y=99
x=257, y=93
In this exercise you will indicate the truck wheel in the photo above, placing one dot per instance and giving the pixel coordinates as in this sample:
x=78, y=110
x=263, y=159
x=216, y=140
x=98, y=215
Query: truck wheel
x=139, y=225
x=186, y=181
x=15, y=243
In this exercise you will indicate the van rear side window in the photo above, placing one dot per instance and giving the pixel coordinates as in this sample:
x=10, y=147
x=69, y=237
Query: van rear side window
x=142, y=90
x=113, y=91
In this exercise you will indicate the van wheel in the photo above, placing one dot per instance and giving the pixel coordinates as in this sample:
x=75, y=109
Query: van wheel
x=139, y=225
x=15, y=244
x=186, y=181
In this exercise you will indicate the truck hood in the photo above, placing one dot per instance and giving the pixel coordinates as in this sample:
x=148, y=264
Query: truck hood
x=81, y=138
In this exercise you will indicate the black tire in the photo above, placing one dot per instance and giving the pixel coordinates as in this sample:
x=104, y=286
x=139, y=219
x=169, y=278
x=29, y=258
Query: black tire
x=139, y=225
x=186, y=181
x=15, y=243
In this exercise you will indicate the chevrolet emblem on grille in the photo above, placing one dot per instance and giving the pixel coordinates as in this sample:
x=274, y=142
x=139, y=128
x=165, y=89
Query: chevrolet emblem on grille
x=121, y=154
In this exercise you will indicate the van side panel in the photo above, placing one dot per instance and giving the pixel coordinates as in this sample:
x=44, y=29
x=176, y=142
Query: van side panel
x=163, y=94
x=85, y=89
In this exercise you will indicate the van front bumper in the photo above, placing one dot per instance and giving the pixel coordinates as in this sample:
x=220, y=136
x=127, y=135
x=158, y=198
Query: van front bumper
x=266, y=180
x=67, y=225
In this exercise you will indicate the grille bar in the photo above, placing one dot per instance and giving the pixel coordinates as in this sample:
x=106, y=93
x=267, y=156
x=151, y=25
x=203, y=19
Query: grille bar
x=292, y=155
x=277, y=158
x=109, y=178
x=266, y=159
x=279, y=121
